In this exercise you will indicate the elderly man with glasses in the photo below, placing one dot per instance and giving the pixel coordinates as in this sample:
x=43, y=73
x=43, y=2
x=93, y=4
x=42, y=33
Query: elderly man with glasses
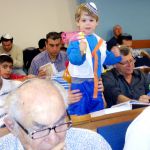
x=38, y=120
x=124, y=83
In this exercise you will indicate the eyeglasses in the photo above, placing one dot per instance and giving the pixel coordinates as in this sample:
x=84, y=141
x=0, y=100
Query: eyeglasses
x=131, y=61
x=44, y=132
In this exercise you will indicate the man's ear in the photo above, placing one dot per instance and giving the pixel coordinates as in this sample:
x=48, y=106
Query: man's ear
x=9, y=123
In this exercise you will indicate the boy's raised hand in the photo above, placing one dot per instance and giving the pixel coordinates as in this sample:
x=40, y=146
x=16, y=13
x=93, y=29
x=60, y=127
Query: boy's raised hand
x=116, y=51
x=83, y=47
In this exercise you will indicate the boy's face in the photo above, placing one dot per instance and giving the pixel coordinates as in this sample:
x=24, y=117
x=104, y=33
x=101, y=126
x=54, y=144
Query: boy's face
x=86, y=23
x=6, y=69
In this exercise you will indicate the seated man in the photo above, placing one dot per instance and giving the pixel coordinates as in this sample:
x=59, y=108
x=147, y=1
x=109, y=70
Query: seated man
x=141, y=56
x=117, y=31
x=14, y=51
x=125, y=39
x=138, y=133
x=44, y=124
x=123, y=83
x=52, y=54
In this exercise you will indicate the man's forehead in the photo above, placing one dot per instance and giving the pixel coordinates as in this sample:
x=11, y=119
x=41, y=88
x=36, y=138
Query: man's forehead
x=128, y=57
x=6, y=43
x=50, y=122
x=7, y=63
x=56, y=41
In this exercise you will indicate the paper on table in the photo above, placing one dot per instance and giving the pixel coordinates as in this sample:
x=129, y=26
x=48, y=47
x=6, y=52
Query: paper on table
x=116, y=108
x=120, y=107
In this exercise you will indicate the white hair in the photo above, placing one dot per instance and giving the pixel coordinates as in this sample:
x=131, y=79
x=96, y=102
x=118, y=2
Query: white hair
x=62, y=92
x=13, y=103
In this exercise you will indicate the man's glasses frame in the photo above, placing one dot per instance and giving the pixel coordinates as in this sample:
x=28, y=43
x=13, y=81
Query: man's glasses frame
x=128, y=62
x=67, y=125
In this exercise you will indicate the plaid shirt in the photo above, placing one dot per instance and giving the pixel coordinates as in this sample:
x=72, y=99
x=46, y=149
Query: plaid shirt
x=43, y=58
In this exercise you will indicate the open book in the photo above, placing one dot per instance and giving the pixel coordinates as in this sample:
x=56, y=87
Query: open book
x=133, y=104
x=49, y=68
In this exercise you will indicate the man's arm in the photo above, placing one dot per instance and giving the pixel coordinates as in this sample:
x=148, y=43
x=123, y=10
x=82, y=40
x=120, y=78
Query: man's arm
x=111, y=59
x=33, y=68
x=122, y=98
x=17, y=57
x=112, y=91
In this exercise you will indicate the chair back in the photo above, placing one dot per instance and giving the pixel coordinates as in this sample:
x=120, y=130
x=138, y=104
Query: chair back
x=114, y=134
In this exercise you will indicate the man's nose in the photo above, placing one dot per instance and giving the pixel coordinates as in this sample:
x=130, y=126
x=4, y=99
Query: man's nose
x=8, y=69
x=53, y=137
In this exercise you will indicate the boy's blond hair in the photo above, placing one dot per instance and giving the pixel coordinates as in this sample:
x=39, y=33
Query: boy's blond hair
x=82, y=8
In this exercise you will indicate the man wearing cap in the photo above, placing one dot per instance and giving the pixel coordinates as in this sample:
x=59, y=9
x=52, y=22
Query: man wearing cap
x=15, y=52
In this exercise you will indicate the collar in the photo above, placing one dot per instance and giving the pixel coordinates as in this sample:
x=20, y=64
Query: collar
x=58, y=57
x=5, y=86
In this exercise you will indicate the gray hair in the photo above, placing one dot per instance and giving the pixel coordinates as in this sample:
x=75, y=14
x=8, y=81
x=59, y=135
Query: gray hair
x=124, y=50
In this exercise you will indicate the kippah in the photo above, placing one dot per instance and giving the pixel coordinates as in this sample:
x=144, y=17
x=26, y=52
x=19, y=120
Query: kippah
x=92, y=7
x=4, y=54
x=7, y=36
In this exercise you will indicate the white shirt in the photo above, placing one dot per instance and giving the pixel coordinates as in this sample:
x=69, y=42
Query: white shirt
x=138, y=132
x=7, y=86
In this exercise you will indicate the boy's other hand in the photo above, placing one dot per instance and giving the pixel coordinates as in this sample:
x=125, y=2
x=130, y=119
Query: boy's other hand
x=116, y=51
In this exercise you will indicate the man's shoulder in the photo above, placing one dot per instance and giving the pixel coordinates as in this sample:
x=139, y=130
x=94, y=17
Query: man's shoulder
x=63, y=54
x=9, y=85
x=82, y=132
x=112, y=40
x=16, y=48
x=111, y=73
x=9, y=141
x=85, y=139
x=1, y=49
x=40, y=56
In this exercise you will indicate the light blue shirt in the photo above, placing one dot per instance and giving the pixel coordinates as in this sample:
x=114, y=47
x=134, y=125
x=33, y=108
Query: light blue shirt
x=76, y=139
x=43, y=58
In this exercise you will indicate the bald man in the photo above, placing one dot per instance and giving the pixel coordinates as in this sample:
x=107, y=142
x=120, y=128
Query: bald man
x=37, y=121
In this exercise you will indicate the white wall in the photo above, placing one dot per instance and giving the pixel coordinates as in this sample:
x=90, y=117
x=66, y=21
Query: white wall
x=30, y=20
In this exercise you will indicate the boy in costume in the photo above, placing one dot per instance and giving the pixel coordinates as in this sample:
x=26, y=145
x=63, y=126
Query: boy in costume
x=86, y=58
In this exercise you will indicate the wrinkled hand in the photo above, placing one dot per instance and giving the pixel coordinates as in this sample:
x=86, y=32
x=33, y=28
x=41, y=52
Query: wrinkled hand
x=144, y=98
x=83, y=47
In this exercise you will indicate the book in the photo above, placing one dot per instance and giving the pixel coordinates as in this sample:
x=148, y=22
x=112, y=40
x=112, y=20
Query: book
x=129, y=105
x=49, y=68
